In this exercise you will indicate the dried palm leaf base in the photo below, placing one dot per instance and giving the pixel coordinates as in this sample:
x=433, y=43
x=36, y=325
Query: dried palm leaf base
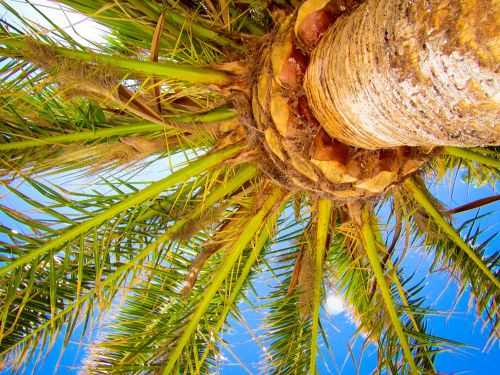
x=301, y=153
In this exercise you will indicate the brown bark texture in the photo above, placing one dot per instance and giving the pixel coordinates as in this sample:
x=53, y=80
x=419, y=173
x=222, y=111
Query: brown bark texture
x=414, y=73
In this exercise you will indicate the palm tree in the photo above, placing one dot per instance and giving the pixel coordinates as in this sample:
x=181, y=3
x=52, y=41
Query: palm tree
x=287, y=129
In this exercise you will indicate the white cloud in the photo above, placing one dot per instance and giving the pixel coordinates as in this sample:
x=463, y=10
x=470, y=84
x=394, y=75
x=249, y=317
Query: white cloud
x=79, y=27
x=334, y=305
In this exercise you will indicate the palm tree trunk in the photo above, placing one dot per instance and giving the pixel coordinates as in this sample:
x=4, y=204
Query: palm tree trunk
x=414, y=73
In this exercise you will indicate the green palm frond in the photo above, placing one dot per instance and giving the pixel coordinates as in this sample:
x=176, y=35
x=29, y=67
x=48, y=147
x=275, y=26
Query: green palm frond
x=353, y=277
x=372, y=254
x=50, y=65
x=111, y=247
x=288, y=333
x=461, y=252
x=191, y=35
x=170, y=311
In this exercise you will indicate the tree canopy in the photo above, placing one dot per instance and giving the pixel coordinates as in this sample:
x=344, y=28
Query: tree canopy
x=184, y=90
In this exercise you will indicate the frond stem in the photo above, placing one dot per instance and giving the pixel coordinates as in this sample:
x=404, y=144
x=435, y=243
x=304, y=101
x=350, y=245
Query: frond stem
x=473, y=205
x=427, y=205
x=189, y=73
x=196, y=28
x=373, y=257
x=220, y=114
x=245, y=174
x=251, y=229
x=83, y=136
x=402, y=294
x=324, y=213
x=471, y=155
x=151, y=191
x=254, y=255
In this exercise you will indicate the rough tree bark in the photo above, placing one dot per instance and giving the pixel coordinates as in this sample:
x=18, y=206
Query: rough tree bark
x=414, y=73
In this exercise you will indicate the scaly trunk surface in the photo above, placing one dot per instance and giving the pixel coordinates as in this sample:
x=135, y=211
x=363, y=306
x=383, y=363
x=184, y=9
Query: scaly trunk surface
x=414, y=73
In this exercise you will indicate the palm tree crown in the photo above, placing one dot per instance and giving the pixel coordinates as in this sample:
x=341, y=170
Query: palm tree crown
x=270, y=165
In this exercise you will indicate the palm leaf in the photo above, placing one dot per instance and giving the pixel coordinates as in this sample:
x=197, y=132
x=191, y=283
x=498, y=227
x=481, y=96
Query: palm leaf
x=169, y=262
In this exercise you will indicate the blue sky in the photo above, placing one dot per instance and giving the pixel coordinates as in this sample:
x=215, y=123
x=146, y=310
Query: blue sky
x=459, y=326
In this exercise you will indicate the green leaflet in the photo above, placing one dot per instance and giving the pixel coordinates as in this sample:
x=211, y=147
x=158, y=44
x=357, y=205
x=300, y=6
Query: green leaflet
x=246, y=173
x=252, y=228
x=324, y=211
x=372, y=253
x=151, y=191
